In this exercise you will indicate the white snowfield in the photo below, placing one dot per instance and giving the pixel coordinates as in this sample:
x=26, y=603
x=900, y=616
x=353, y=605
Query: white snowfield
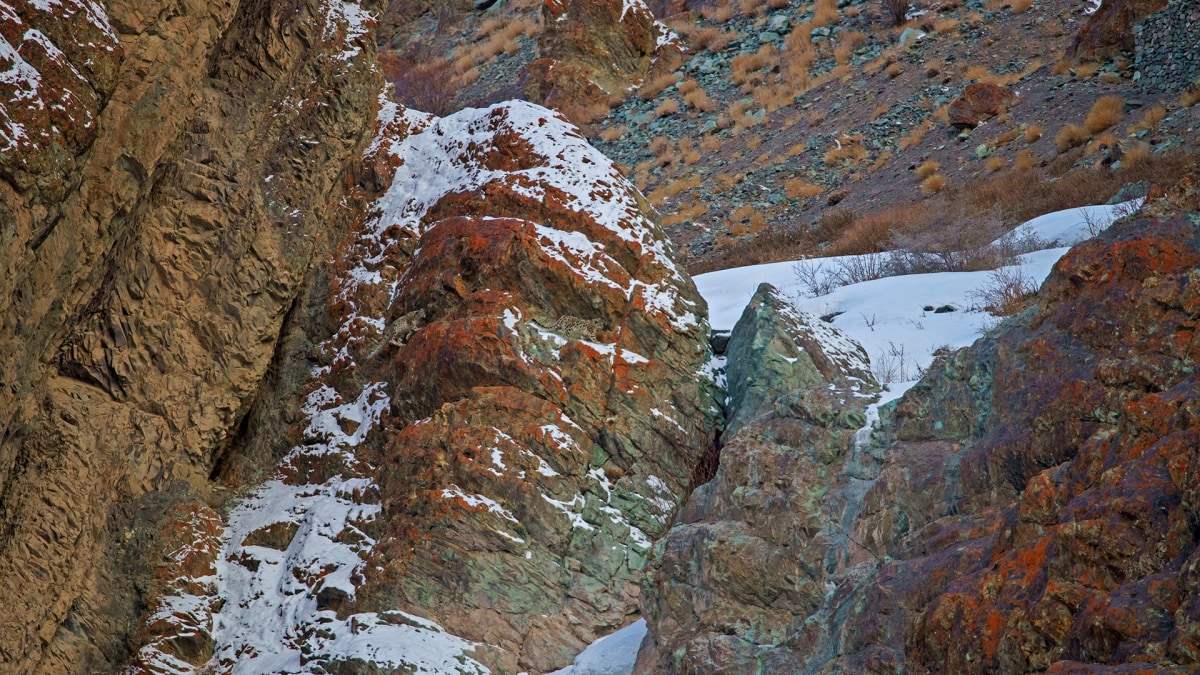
x=888, y=316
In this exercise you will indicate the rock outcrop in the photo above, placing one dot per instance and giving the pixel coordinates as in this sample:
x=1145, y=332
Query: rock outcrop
x=168, y=173
x=754, y=551
x=508, y=415
x=593, y=50
x=1110, y=28
x=1032, y=506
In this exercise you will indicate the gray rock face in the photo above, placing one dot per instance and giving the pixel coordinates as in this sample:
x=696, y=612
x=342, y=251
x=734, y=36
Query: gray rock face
x=755, y=550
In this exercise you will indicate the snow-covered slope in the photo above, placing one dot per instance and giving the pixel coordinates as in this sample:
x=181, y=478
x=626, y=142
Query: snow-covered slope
x=889, y=316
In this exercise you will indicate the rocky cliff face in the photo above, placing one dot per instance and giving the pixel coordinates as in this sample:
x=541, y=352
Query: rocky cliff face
x=170, y=170
x=593, y=51
x=1028, y=507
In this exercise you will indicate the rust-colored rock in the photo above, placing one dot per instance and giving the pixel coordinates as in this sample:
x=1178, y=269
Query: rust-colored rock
x=978, y=103
x=1110, y=28
x=1029, y=506
x=162, y=198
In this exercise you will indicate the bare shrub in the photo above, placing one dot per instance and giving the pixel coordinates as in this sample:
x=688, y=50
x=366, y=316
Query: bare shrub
x=894, y=365
x=422, y=81
x=1033, y=132
x=1008, y=291
x=927, y=168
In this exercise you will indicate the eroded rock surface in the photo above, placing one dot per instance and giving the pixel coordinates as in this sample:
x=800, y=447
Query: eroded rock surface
x=593, y=50
x=508, y=415
x=168, y=171
x=754, y=552
x=1030, y=509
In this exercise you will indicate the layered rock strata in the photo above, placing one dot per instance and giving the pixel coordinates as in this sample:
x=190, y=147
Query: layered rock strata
x=508, y=415
x=1032, y=508
x=168, y=171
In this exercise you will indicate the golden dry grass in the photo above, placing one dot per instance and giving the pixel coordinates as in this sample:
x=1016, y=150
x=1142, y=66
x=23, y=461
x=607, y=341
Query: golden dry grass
x=1150, y=119
x=711, y=38
x=926, y=169
x=847, y=152
x=699, y=100
x=1002, y=139
x=773, y=98
x=668, y=107
x=1071, y=136
x=825, y=13
x=1135, y=153
x=1106, y=112
x=894, y=70
x=1189, y=98
x=688, y=152
x=687, y=86
x=934, y=184
x=914, y=137
x=1024, y=160
x=798, y=188
x=614, y=133
x=994, y=164
x=1033, y=132
x=653, y=88
x=719, y=13
x=1020, y=6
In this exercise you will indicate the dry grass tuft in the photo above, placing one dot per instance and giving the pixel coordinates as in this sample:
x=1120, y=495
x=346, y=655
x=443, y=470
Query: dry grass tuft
x=1135, y=153
x=847, y=152
x=825, y=13
x=1024, y=160
x=699, y=100
x=1003, y=139
x=656, y=86
x=666, y=108
x=1150, y=120
x=1033, y=132
x=913, y=138
x=797, y=188
x=934, y=184
x=1106, y=112
x=927, y=168
x=719, y=13
x=1071, y=136
x=711, y=38
x=1020, y=6
x=613, y=133
x=753, y=7
x=1189, y=98
x=688, y=151
x=994, y=164
x=894, y=70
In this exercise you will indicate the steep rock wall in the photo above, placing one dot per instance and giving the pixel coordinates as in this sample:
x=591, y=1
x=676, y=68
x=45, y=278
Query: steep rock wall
x=170, y=170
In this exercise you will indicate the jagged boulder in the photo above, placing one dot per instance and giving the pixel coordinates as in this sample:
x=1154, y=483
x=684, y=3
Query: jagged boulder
x=1110, y=28
x=750, y=556
x=508, y=414
x=977, y=104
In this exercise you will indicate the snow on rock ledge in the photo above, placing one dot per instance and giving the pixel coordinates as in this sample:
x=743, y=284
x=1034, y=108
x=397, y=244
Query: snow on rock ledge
x=506, y=418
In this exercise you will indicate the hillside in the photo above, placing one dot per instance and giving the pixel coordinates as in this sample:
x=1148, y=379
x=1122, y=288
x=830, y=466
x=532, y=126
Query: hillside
x=353, y=337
